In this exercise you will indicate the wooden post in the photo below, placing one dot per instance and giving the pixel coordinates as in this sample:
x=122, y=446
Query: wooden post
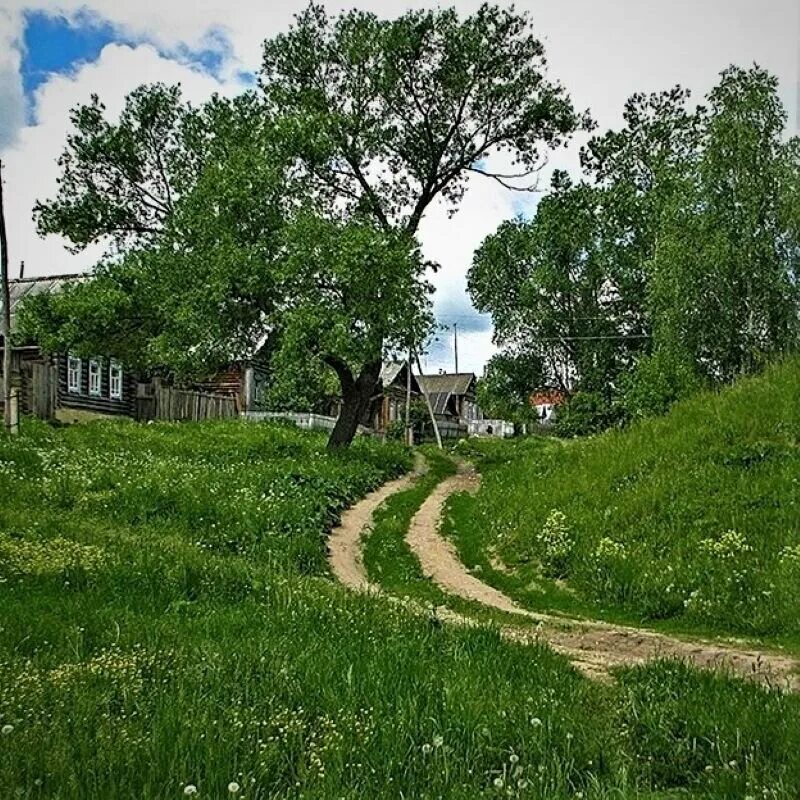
x=409, y=431
x=430, y=407
x=10, y=406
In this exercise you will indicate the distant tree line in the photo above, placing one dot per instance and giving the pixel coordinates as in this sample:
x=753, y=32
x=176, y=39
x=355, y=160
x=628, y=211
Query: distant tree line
x=672, y=264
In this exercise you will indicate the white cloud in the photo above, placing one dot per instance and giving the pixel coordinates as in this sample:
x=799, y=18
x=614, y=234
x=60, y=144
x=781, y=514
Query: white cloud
x=30, y=162
x=12, y=101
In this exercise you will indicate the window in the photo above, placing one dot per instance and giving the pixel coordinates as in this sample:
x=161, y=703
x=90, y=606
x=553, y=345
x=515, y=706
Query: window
x=115, y=381
x=73, y=374
x=94, y=378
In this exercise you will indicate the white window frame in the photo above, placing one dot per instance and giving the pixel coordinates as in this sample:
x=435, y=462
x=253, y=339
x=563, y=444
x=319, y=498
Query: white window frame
x=95, y=377
x=74, y=374
x=114, y=381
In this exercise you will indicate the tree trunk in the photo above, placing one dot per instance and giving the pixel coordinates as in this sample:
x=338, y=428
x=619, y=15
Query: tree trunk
x=356, y=395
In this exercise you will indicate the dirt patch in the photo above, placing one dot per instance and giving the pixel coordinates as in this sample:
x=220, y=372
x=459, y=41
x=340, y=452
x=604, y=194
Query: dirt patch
x=344, y=543
x=594, y=647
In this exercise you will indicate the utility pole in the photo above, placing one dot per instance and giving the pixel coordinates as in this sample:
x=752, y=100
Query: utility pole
x=430, y=407
x=10, y=408
x=409, y=432
x=455, y=343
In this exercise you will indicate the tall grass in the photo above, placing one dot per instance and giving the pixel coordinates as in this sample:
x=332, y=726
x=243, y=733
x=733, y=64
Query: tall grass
x=166, y=626
x=693, y=517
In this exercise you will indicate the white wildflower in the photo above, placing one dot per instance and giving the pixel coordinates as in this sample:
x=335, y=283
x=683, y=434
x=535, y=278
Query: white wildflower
x=233, y=787
x=6, y=729
x=189, y=789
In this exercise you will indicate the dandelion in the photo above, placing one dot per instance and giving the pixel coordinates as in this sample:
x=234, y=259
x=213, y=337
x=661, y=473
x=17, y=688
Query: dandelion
x=514, y=758
x=233, y=787
x=189, y=789
x=536, y=722
x=498, y=782
x=426, y=749
x=6, y=729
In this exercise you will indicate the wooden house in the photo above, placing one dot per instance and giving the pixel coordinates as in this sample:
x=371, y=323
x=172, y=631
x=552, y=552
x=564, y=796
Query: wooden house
x=57, y=385
x=388, y=404
x=452, y=395
x=546, y=402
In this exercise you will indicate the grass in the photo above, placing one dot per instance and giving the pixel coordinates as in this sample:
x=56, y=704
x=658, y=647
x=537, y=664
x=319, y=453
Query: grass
x=166, y=621
x=691, y=521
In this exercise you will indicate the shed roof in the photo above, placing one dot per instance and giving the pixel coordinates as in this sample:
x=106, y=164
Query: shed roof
x=22, y=288
x=457, y=383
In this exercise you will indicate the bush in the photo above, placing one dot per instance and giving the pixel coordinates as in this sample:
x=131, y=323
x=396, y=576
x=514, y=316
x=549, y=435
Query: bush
x=586, y=413
x=658, y=381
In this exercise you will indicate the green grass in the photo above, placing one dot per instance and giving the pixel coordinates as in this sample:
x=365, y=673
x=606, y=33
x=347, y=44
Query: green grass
x=691, y=521
x=166, y=619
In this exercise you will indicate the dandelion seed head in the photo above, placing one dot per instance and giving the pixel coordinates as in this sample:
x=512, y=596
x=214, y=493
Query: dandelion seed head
x=189, y=789
x=233, y=787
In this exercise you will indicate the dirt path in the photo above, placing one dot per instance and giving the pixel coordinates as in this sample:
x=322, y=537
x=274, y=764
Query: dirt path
x=593, y=646
x=344, y=543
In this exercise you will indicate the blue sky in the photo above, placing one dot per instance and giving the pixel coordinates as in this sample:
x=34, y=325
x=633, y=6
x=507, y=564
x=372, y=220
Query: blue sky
x=56, y=44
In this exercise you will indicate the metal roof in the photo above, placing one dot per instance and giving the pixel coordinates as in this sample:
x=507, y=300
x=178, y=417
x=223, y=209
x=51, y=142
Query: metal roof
x=22, y=288
x=456, y=383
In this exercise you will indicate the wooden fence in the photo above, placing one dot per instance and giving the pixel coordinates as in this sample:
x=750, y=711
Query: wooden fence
x=156, y=401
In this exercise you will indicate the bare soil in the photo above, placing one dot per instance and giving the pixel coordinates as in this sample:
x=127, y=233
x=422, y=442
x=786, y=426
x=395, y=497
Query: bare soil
x=594, y=647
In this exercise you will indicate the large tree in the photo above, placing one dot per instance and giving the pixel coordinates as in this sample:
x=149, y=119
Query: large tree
x=359, y=125
x=677, y=257
x=387, y=116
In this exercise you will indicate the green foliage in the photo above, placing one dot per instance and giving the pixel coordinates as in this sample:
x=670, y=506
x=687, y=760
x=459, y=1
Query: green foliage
x=690, y=518
x=586, y=413
x=657, y=382
x=505, y=389
x=685, y=242
x=386, y=115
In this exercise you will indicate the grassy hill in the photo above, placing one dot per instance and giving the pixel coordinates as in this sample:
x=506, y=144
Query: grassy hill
x=167, y=624
x=692, y=518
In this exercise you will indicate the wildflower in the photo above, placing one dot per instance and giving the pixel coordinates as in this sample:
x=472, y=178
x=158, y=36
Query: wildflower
x=536, y=722
x=233, y=787
x=514, y=758
x=189, y=789
x=438, y=741
x=426, y=748
x=6, y=729
x=498, y=782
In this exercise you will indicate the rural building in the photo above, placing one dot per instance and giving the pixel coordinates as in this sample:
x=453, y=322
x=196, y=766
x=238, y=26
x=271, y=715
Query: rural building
x=546, y=402
x=64, y=381
x=452, y=396
x=388, y=404
x=63, y=385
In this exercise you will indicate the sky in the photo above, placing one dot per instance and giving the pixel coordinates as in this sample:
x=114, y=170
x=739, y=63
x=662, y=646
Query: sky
x=55, y=54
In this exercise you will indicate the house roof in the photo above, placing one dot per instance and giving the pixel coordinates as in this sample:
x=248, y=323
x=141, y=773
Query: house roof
x=439, y=401
x=553, y=397
x=22, y=288
x=391, y=371
x=457, y=383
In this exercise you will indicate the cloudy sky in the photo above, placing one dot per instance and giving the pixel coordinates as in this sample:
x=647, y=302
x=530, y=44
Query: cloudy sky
x=53, y=55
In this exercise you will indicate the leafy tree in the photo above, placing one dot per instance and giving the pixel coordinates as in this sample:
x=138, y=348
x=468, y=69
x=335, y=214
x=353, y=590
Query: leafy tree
x=360, y=124
x=386, y=116
x=725, y=276
x=547, y=285
x=679, y=261
x=505, y=389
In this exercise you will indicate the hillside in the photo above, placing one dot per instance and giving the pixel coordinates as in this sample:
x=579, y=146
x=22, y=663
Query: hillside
x=168, y=628
x=692, y=518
